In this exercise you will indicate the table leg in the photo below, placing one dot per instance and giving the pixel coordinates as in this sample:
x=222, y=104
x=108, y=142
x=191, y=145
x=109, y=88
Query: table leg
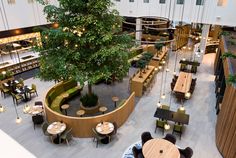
x=57, y=140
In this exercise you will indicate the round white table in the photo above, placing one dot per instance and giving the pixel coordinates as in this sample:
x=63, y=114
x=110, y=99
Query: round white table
x=56, y=128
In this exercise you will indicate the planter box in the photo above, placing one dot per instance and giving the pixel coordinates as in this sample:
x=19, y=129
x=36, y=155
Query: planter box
x=90, y=110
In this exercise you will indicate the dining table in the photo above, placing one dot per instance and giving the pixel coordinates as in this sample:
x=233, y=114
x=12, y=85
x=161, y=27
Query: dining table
x=183, y=82
x=56, y=128
x=105, y=128
x=172, y=116
x=24, y=90
x=160, y=148
x=35, y=110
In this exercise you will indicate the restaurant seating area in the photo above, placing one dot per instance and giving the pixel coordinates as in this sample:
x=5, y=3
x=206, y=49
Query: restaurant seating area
x=119, y=137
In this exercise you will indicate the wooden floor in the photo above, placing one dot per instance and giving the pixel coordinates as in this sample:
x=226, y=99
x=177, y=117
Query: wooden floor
x=199, y=134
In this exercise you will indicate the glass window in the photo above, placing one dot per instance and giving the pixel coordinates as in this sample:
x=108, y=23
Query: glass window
x=131, y=0
x=180, y=1
x=145, y=1
x=199, y=2
x=162, y=1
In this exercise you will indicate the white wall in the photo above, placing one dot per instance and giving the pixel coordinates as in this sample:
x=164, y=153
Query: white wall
x=24, y=14
x=207, y=13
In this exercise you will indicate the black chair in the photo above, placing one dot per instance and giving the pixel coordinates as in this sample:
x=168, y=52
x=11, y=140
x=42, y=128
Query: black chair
x=146, y=136
x=137, y=152
x=98, y=137
x=38, y=103
x=186, y=153
x=180, y=97
x=45, y=132
x=37, y=120
x=114, y=131
x=171, y=138
x=172, y=85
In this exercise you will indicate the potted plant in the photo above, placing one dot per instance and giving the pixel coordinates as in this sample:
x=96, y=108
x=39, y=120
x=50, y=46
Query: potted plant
x=141, y=64
x=89, y=103
x=147, y=57
x=89, y=100
x=158, y=47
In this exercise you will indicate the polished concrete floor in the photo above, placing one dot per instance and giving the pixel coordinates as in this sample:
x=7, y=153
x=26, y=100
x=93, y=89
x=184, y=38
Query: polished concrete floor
x=199, y=134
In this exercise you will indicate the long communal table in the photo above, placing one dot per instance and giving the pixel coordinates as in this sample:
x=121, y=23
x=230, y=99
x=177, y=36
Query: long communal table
x=172, y=116
x=183, y=82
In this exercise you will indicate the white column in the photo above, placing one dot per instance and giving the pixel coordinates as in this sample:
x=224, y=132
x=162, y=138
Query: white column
x=138, y=34
x=203, y=42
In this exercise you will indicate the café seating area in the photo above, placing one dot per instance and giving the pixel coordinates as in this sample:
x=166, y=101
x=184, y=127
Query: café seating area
x=17, y=90
x=151, y=147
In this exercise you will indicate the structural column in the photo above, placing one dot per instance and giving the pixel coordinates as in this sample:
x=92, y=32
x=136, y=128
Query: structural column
x=203, y=42
x=138, y=34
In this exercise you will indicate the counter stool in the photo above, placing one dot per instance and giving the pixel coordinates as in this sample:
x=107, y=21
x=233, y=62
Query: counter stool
x=115, y=99
x=80, y=113
x=103, y=109
x=65, y=107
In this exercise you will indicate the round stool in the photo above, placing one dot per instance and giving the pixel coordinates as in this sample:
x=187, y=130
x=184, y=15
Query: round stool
x=80, y=113
x=103, y=109
x=65, y=107
x=115, y=99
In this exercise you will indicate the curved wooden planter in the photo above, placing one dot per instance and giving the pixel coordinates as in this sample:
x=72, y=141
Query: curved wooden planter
x=82, y=126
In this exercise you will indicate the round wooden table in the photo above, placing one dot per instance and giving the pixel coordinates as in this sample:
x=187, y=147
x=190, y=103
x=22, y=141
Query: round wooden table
x=56, y=128
x=65, y=107
x=105, y=128
x=160, y=148
x=103, y=109
x=34, y=110
x=115, y=99
x=80, y=113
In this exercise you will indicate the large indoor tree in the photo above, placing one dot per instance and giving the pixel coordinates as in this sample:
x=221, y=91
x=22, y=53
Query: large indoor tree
x=88, y=45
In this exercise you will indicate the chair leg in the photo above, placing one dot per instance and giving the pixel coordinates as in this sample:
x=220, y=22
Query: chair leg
x=67, y=142
x=155, y=129
x=97, y=144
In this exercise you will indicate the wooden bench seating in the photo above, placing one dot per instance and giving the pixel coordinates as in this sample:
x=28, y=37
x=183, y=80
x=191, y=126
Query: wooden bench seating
x=61, y=93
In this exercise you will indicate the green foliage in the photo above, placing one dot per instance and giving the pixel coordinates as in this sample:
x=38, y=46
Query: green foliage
x=89, y=100
x=228, y=55
x=87, y=46
x=225, y=33
x=135, y=52
x=159, y=46
x=147, y=56
x=6, y=76
x=231, y=79
x=141, y=63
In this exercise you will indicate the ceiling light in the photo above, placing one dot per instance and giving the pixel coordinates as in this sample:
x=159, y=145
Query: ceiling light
x=163, y=96
x=159, y=104
x=167, y=126
x=2, y=109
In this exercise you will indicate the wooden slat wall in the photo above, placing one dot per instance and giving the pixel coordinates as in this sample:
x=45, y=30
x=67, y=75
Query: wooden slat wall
x=226, y=121
x=82, y=126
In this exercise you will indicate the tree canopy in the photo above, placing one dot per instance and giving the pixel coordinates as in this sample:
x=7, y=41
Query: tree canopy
x=88, y=44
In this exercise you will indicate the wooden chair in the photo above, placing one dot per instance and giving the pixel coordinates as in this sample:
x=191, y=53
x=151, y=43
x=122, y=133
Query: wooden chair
x=97, y=137
x=178, y=128
x=4, y=90
x=67, y=135
x=21, y=83
x=160, y=124
x=44, y=129
x=166, y=107
x=16, y=97
x=33, y=90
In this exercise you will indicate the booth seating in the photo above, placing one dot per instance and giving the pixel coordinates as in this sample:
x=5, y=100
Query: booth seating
x=61, y=92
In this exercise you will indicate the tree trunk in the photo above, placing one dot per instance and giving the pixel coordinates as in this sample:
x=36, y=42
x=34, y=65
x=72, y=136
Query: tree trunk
x=89, y=89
